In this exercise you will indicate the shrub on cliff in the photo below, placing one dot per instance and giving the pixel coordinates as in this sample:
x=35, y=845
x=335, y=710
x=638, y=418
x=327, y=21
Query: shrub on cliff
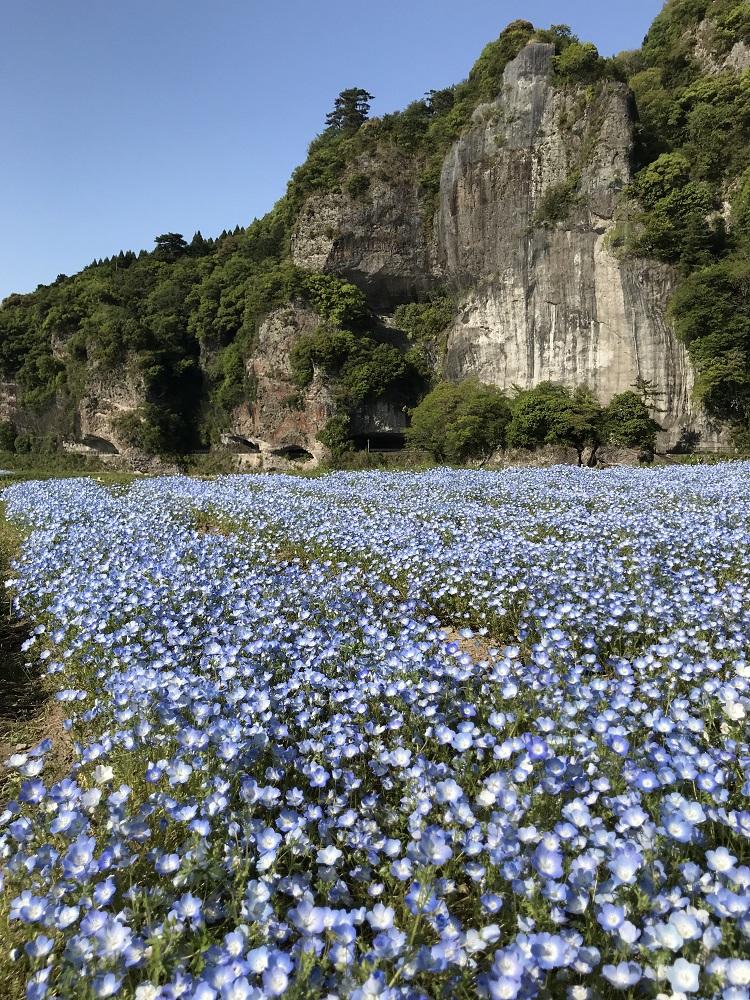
x=711, y=314
x=335, y=300
x=579, y=62
x=326, y=348
x=460, y=421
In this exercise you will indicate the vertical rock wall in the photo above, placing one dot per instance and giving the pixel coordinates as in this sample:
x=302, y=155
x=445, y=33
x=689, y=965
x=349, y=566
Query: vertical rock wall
x=527, y=201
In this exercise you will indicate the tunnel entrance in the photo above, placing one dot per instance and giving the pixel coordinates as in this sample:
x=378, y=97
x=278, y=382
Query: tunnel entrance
x=294, y=453
x=382, y=441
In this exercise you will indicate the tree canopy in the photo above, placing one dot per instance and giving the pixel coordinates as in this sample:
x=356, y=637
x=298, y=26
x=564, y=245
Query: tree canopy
x=350, y=110
x=459, y=421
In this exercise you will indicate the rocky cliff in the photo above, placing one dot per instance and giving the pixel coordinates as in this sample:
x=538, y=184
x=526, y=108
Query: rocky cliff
x=512, y=206
x=527, y=202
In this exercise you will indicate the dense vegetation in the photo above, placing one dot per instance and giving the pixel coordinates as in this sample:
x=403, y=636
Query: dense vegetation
x=692, y=189
x=152, y=318
x=457, y=422
x=177, y=325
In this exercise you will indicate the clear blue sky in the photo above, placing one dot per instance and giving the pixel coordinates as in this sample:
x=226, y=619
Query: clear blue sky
x=124, y=120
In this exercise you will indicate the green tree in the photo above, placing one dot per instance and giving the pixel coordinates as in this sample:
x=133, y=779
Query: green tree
x=8, y=435
x=169, y=246
x=326, y=348
x=335, y=436
x=459, y=421
x=579, y=61
x=351, y=109
x=337, y=301
x=533, y=411
x=550, y=414
x=578, y=425
x=199, y=246
x=628, y=423
x=660, y=178
x=711, y=314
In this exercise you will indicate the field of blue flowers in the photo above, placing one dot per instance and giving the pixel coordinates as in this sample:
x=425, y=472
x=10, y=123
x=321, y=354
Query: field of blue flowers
x=450, y=734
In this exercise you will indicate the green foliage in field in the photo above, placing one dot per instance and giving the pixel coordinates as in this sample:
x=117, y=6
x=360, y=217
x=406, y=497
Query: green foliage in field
x=460, y=421
x=335, y=436
x=457, y=422
x=627, y=423
x=550, y=414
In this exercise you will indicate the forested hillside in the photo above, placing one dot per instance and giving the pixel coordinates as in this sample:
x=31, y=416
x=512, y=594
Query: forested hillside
x=182, y=320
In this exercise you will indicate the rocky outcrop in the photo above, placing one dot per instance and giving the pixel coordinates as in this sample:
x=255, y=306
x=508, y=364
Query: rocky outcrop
x=527, y=203
x=712, y=58
x=282, y=422
x=377, y=238
x=550, y=301
x=108, y=396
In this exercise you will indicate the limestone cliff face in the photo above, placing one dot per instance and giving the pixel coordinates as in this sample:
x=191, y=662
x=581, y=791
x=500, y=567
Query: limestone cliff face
x=377, y=239
x=527, y=200
x=710, y=57
x=281, y=422
x=547, y=300
x=108, y=395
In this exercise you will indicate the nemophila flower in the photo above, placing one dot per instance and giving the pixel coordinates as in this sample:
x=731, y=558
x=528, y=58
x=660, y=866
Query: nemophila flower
x=39, y=947
x=79, y=859
x=737, y=971
x=720, y=860
x=610, y=917
x=421, y=899
x=625, y=864
x=311, y=703
x=106, y=985
x=684, y=976
x=381, y=917
x=167, y=864
x=28, y=907
x=623, y=975
x=551, y=951
x=434, y=849
x=188, y=908
x=548, y=861
x=329, y=855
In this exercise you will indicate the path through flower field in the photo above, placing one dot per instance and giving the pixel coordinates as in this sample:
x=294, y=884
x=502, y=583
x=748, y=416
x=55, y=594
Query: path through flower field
x=449, y=734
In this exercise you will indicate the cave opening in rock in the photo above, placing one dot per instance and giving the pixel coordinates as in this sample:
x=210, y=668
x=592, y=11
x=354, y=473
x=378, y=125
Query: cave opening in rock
x=381, y=441
x=294, y=453
x=100, y=444
x=236, y=443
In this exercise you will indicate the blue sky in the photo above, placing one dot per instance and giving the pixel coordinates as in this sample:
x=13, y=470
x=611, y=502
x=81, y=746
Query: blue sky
x=124, y=120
